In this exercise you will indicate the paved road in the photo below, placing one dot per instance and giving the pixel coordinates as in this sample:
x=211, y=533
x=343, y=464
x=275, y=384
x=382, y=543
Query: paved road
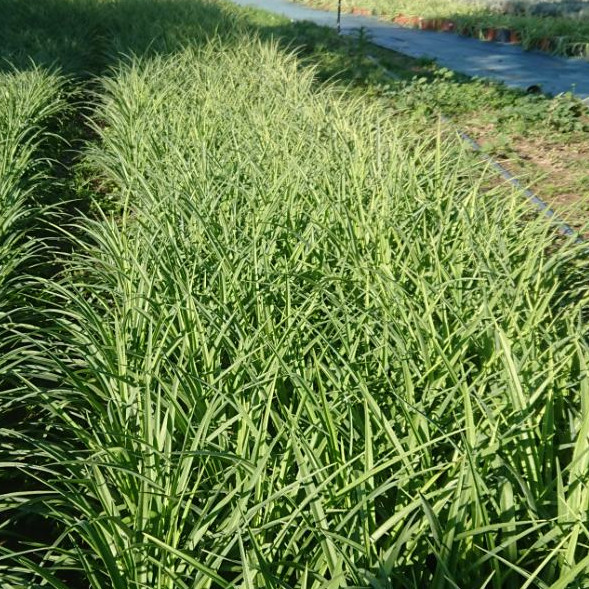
x=507, y=63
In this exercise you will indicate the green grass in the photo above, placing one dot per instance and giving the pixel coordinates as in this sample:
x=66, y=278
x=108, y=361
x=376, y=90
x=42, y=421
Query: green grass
x=28, y=102
x=541, y=138
x=86, y=37
x=297, y=344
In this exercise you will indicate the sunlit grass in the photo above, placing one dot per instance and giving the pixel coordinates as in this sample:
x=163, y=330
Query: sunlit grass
x=308, y=350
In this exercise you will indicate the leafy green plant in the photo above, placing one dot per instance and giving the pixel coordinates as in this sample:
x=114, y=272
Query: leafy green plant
x=298, y=342
x=568, y=114
x=28, y=100
x=307, y=353
x=28, y=103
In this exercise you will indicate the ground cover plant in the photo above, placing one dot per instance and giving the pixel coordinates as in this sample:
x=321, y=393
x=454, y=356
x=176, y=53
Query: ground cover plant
x=294, y=344
x=28, y=102
x=558, y=27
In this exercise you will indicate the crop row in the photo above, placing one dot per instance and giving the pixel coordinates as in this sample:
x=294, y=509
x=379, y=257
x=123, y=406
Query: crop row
x=306, y=350
x=28, y=101
x=292, y=343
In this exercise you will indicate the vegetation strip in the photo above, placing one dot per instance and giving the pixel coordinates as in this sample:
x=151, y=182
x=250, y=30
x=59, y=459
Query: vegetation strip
x=519, y=129
x=296, y=342
x=28, y=103
x=563, y=227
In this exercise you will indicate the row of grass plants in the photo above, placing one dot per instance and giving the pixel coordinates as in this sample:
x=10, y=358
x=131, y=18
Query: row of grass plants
x=28, y=102
x=292, y=341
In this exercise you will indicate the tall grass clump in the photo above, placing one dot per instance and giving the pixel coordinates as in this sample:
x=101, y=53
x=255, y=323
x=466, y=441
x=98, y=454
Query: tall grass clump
x=28, y=101
x=308, y=351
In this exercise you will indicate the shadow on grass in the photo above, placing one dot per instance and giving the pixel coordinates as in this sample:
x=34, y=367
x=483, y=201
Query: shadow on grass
x=85, y=38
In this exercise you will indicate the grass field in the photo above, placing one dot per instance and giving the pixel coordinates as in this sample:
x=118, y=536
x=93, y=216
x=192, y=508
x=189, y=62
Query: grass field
x=260, y=331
